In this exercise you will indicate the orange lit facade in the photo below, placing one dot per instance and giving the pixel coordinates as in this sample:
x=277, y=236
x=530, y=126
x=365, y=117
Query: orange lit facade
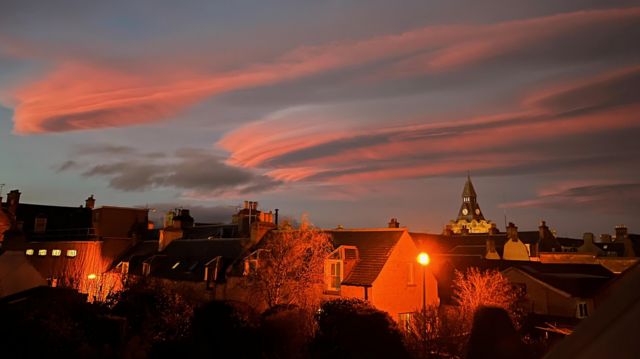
x=380, y=266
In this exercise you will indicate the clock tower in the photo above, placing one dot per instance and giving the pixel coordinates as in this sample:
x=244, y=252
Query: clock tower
x=470, y=218
x=469, y=210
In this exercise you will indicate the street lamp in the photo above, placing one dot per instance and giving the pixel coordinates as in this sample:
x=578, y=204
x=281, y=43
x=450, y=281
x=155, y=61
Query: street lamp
x=423, y=259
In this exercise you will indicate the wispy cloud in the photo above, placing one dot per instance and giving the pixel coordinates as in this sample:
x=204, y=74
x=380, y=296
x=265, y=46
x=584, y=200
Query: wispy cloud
x=591, y=197
x=82, y=94
x=548, y=118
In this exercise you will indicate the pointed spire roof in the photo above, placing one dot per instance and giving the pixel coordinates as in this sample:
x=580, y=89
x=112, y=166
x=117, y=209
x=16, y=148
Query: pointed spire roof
x=469, y=191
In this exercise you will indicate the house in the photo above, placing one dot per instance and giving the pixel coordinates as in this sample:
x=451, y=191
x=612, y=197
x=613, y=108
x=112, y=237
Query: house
x=199, y=264
x=554, y=291
x=73, y=246
x=379, y=265
x=611, y=332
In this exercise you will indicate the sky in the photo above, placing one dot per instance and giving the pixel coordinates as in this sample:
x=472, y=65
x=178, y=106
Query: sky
x=351, y=112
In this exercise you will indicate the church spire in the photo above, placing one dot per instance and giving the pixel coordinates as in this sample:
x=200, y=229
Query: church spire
x=469, y=193
x=470, y=209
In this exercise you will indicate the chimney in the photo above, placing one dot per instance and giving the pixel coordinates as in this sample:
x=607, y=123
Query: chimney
x=588, y=237
x=90, y=202
x=621, y=232
x=393, y=223
x=512, y=231
x=246, y=205
x=276, y=210
x=542, y=230
x=13, y=199
x=254, y=206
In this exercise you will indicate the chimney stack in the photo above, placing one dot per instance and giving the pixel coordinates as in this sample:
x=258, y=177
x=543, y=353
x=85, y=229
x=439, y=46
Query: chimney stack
x=621, y=232
x=90, y=202
x=512, y=231
x=276, y=210
x=393, y=223
x=13, y=199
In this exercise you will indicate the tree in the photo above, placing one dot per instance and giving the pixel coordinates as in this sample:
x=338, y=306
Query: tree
x=435, y=332
x=290, y=264
x=475, y=288
x=352, y=328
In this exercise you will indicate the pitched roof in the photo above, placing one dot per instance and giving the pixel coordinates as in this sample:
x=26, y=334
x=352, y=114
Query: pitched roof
x=612, y=330
x=458, y=244
x=185, y=259
x=211, y=230
x=374, y=247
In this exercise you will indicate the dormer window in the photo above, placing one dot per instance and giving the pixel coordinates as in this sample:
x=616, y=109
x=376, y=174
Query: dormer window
x=251, y=262
x=334, y=266
x=333, y=274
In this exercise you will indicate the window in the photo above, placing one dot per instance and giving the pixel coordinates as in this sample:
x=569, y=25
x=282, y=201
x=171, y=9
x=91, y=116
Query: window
x=146, y=268
x=40, y=225
x=404, y=320
x=211, y=270
x=72, y=253
x=582, y=311
x=124, y=268
x=29, y=252
x=411, y=280
x=333, y=274
x=42, y=252
x=251, y=262
x=56, y=252
x=250, y=266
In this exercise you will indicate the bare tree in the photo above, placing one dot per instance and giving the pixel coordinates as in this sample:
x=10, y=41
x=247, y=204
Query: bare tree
x=289, y=266
x=475, y=288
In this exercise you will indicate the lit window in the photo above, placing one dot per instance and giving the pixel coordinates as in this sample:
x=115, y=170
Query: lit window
x=582, y=311
x=29, y=252
x=42, y=252
x=56, y=252
x=333, y=274
x=72, y=253
x=405, y=321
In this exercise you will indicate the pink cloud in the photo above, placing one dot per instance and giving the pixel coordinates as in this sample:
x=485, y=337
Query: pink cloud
x=81, y=94
x=389, y=156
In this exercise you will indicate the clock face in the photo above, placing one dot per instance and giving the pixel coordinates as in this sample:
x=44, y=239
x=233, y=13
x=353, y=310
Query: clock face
x=465, y=211
x=478, y=211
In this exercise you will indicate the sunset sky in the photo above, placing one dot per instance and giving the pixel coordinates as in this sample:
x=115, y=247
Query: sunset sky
x=351, y=111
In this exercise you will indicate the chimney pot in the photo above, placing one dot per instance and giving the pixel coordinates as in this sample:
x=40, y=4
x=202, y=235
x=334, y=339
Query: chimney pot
x=90, y=202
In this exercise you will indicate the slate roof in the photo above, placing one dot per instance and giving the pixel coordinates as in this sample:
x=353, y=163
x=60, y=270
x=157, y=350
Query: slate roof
x=137, y=254
x=374, y=247
x=185, y=259
x=211, y=230
x=471, y=244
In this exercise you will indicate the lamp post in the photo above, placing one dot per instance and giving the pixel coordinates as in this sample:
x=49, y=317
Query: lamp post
x=423, y=259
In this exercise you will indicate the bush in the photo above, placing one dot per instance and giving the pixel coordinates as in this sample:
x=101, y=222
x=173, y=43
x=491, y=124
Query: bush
x=352, y=328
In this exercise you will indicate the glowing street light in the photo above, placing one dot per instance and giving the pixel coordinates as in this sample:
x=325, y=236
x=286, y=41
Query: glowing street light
x=423, y=259
x=92, y=276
